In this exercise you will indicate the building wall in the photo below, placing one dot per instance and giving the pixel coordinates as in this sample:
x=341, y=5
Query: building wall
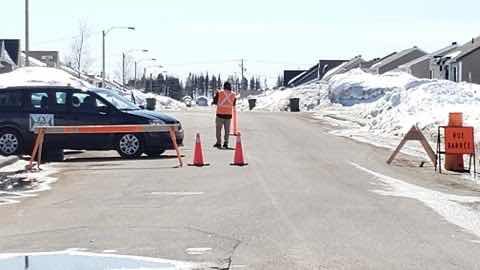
x=51, y=58
x=470, y=67
x=421, y=69
x=400, y=61
x=288, y=75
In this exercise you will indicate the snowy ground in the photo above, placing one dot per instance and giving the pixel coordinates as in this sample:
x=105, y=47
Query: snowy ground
x=380, y=109
x=17, y=184
x=80, y=259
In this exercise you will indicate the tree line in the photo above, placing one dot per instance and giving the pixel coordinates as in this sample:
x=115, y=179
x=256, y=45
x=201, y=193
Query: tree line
x=195, y=85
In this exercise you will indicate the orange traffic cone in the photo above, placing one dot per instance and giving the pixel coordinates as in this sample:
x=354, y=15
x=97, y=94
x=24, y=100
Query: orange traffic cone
x=238, y=159
x=234, y=126
x=198, y=154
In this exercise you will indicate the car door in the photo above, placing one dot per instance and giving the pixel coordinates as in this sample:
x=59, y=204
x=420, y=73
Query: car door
x=43, y=111
x=87, y=110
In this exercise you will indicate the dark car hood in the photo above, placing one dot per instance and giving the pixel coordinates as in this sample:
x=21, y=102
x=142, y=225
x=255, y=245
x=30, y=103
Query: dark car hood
x=153, y=115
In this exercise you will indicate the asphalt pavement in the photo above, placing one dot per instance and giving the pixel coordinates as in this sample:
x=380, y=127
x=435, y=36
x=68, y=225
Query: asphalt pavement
x=299, y=204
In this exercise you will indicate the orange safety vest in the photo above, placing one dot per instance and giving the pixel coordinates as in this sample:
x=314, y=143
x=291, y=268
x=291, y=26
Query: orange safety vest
x=225, y=102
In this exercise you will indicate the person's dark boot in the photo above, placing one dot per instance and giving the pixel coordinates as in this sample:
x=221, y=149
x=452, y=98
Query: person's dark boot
x=217, y=145
x=225, y=145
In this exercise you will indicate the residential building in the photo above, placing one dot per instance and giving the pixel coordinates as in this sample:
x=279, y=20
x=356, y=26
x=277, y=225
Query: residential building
x=50, y=58
x=356, y=62
x=288, y=75
x=315, y=72
x=421, y=67
x=462, y=64
x=397, y=59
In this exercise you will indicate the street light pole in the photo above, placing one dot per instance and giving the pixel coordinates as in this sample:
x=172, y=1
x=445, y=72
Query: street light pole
x=104, y=34
x=103, y=57
x=27, y=34
x=123, y=69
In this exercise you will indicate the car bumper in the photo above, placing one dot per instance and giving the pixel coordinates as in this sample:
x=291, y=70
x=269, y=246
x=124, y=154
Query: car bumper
x=162, y=140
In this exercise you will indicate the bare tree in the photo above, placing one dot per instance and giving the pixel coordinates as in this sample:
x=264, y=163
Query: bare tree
x=79, y=57
x=129, y=69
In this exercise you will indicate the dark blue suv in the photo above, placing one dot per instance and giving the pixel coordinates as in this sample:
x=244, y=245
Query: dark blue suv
x=24, y=108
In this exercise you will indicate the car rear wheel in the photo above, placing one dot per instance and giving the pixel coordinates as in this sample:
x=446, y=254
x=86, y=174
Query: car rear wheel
x=130, y=146
x=10, y=142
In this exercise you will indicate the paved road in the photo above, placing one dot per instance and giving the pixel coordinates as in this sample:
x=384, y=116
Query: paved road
x=300, y=204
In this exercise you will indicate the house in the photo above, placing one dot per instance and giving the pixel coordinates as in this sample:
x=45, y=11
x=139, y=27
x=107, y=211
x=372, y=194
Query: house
x=288, y=75
x=397, y=59
x=356, y=62
x=50, y=58
x=421, y=67
x=460, y=65
x=315, y=72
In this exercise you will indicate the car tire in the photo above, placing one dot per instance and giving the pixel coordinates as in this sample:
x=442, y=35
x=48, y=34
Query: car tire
x=155, y=153
x=129, y=145
x=11, y=142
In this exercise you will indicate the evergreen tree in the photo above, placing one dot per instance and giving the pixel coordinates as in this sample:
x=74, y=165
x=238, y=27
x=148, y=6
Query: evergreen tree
x=252, y=83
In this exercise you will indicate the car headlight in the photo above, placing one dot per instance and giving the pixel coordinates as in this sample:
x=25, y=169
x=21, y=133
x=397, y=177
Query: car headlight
x=156, y=122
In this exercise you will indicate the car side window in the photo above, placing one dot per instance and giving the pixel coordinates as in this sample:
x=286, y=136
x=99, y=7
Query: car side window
x=10, y=101
x=60, y=101
x=39, y=101
x=86, y=103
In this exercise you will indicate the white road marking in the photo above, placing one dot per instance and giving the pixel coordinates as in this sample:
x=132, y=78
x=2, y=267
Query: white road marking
x=453, y=208
x=109, y=251
x=198, y=251
x=177, y=193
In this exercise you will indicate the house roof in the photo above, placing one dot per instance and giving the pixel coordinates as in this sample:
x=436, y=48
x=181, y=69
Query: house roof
x=395, y=57
x=440, y=53
x=467, y=49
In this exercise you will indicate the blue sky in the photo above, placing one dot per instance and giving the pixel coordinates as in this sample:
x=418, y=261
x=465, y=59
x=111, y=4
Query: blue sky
x=212, y=35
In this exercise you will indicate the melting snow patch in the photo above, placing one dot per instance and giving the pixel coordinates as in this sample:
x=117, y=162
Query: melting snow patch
x=76, y=260
x=455, y=209
x=17, y=184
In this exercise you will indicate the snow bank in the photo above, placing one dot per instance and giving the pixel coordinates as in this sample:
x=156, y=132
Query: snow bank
x=385, y=106
x=163, y=102
x=310, y=96
x=357, y=86
x=40, y=76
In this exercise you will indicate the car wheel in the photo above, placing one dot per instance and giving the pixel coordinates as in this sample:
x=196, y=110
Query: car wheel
x=11, y=142
x=130, y=145
x=155, y=153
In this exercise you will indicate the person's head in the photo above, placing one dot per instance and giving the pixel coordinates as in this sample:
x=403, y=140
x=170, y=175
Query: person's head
x=227, y=86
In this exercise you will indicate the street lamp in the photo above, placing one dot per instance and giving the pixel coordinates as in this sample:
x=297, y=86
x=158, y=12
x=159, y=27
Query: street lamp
x=104, y=34
x=124, y=55
x=138, y=62
x=27, y=35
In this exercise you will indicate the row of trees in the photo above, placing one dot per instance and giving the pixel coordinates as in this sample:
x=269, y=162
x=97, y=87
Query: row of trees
x=195, y=85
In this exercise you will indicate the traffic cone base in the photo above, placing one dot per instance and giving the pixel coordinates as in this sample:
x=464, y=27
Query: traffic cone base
x=198, y=154
x=238, y=159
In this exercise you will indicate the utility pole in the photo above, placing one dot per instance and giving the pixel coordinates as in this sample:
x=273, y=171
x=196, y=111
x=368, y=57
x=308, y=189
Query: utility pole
x=135, y=79
x=242, y=66
x=123, y=69
x=27, y=34
x=103, y=57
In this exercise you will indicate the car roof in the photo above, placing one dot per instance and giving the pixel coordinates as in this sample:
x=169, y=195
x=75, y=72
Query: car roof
x=47, y=87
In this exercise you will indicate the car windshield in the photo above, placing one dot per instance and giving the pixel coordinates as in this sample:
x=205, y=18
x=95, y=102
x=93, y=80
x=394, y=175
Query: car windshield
x=117, y=100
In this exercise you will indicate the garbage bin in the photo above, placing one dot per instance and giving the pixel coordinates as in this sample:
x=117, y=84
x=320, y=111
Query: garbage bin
x=294, y=104
x=252, y=103
x=151, y=103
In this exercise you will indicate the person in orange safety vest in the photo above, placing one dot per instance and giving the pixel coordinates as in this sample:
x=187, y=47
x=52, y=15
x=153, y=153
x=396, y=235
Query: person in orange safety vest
x=225, y=100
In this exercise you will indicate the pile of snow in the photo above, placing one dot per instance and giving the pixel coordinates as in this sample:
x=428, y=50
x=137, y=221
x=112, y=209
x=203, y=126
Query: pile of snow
x=311, y=95
x=357, y=86
x=163, y=102
x=40, y=76
x=385, y=106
